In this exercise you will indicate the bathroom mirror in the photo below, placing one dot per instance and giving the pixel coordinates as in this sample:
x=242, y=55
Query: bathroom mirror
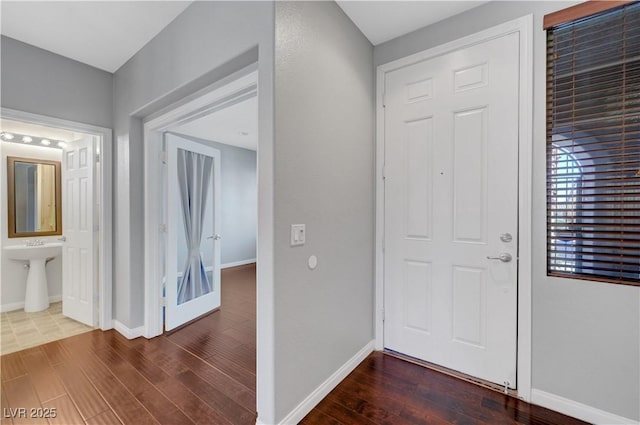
x=34, y=197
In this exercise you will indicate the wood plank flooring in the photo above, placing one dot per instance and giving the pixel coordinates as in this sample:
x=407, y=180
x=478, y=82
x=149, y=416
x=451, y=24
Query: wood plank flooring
x=204, y=374
x=386, y=390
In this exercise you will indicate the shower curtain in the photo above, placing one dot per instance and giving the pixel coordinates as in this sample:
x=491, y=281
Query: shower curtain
x=194, y=180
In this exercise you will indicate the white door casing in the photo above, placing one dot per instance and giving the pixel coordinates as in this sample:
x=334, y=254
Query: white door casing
x=78, y=224
x=451, y=190
x=103, y=137
x=180, y=313
x=210, y=99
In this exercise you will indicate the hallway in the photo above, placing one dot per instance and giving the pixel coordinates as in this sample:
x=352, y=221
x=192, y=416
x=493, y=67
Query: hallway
x=204, y=373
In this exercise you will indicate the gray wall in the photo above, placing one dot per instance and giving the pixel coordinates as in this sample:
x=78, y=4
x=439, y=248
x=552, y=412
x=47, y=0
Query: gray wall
x=324, y=179
x=41, y=82
x=208, y=41
x=585, y=334
x=239, y=201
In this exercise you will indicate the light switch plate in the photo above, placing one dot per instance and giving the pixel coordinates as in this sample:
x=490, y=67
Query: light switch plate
x=298, y=234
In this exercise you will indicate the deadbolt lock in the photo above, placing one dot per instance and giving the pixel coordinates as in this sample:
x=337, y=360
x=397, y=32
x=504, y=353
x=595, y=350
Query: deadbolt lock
x=506, y=237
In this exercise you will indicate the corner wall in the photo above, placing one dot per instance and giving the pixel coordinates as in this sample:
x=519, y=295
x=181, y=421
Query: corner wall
x=207, y=42
x=586, y=335
x=180, y=60
x=324, y=178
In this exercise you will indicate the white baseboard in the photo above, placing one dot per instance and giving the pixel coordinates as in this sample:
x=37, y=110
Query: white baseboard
x=577, y=410
x=128, y=332
x=302, y=409
x=237, y=263
x=20, y=305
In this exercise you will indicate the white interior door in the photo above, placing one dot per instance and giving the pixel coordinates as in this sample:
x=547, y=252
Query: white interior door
x=451, y=203
x=193, y=226
x=78, y=225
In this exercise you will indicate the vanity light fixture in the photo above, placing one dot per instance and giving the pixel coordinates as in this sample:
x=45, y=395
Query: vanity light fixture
x=35, y=140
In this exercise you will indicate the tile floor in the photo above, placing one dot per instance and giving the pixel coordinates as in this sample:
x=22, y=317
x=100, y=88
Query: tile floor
x=20, y=330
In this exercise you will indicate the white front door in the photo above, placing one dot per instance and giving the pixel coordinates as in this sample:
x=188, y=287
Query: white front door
x=193, y=230
x=451, y=210
x=78, y=253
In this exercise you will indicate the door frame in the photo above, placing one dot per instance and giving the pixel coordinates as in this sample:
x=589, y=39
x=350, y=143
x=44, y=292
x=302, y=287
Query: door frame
x=227, y=92
x=524, y=27
x=105, y=215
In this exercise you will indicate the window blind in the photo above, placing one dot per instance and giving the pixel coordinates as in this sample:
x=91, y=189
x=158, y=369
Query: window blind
x=593, y=147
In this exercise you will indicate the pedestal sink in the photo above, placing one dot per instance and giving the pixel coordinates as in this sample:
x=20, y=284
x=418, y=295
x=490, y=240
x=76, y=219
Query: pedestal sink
x=37, y=294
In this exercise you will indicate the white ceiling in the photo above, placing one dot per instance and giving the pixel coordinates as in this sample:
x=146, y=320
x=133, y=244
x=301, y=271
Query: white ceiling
x=227, y=125
x=104, y=34
x=382, y=21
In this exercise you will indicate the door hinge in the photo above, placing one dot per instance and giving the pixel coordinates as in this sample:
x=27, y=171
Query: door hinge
x=164, y=157
x=384, y=172
x=162, y=228
x=163, y=301
x=384, y=100
x=382, y=314
x=383, y=245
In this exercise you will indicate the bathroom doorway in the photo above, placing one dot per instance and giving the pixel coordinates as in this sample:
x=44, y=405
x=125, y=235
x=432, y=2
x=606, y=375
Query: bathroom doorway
x=70, y=292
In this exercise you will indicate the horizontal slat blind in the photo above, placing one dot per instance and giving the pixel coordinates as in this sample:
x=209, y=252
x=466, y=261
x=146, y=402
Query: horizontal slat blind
x=593, y=147
x=580, y=11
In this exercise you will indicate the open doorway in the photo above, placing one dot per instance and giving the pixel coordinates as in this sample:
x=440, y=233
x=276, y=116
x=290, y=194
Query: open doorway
x=210, y=207
x=202, y=195
x=192, y=126
x=56, y=210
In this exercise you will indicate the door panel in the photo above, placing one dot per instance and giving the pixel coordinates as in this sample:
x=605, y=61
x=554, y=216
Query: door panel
x=193, y=223
x=418, y=296
x=470, y=176
x=469, y=305
x=451, y=167
x=79, y=284
x=419, y=183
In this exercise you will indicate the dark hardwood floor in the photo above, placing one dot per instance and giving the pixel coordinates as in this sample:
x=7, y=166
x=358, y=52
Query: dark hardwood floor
x=386, y=390
x=204, y=374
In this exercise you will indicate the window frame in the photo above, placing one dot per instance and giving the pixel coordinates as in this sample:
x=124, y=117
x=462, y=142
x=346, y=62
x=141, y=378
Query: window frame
x=598, y=254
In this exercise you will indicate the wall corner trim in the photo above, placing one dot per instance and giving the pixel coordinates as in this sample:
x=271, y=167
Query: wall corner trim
x=577, y=409
x=302, y=409
x=127, y=332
